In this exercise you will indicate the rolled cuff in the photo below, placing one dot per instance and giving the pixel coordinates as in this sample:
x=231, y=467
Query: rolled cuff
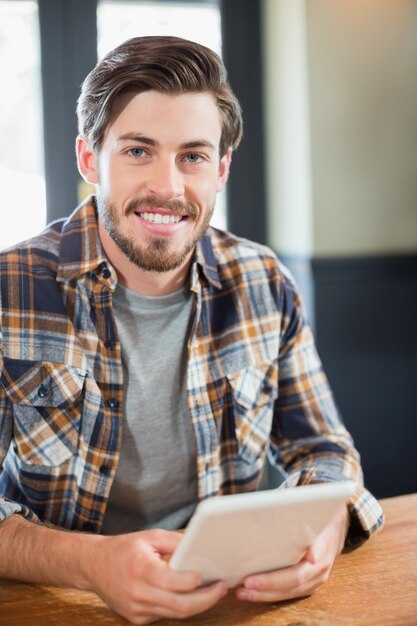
x=365, y=512
x=9, y=508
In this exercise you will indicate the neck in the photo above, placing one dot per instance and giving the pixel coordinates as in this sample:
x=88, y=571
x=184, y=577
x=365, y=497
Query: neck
x=139, y=280
x=154, y=283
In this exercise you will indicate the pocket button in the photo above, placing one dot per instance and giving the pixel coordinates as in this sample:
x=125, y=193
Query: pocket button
x=43, y=391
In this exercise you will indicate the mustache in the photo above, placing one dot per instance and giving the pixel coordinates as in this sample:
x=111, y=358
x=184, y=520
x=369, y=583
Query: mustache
x=177, y=207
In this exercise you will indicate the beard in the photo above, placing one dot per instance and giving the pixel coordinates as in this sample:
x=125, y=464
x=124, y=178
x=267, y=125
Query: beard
x=154, y=256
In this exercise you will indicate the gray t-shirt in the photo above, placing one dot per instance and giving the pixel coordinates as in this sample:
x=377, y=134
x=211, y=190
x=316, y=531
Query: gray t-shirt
x=156, y=479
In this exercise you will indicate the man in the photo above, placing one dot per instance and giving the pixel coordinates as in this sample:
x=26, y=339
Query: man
x=149, y=361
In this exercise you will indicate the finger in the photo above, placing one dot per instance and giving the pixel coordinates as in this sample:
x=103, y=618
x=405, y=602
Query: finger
x=160, y=575
x=172, y=605
x=164, y=541
x=313, y=554
x=252, y=595
x=331, y=540
x=285, y=579
x=143, y=620
x=155, y=570
x=134, y=613
x=318, y=556
x=292, y=582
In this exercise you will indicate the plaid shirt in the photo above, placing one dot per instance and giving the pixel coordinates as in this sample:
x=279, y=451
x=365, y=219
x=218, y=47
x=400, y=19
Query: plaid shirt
x=255, y=382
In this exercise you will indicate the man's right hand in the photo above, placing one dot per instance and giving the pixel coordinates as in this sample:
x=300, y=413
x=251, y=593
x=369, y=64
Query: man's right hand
x=130, y=574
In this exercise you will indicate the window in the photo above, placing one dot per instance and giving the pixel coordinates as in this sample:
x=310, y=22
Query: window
x=197, y=21
x=22, y=181
x=118, y=20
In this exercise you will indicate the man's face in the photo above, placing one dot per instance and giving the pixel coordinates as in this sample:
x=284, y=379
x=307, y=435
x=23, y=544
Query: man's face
x=158, y=172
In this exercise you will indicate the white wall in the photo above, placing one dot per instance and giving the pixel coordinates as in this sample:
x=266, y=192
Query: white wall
x=289, y=192
x=349, y=148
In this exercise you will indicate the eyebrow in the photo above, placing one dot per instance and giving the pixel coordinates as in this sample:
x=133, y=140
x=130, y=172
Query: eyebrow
x=139, y=138
x=199, y=143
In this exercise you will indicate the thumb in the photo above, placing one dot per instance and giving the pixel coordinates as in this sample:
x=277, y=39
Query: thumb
x=164, y=541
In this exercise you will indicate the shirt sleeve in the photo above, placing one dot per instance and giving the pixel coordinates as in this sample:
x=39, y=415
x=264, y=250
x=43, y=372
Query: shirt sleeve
x=309, y=440
x=8, y=507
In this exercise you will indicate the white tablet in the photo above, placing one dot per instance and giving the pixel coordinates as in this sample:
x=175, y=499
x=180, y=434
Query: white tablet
x=230, y=537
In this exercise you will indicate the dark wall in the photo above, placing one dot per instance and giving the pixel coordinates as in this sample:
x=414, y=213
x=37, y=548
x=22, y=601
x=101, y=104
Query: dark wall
x=366, y=331
x=68, y=52
x=241, y=40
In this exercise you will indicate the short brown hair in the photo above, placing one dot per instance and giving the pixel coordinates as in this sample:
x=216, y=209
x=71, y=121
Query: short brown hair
x=165, y=64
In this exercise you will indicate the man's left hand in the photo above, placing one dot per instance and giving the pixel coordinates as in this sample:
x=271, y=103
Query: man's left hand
x=304, y=578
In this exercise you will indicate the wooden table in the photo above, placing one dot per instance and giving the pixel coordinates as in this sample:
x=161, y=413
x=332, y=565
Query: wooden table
x=376, y=584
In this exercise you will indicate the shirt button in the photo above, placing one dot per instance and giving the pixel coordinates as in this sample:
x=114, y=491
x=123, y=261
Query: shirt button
x=105, y=272
x=113, y=403
x=43, y=391
x=109, y=345
x=104, y=469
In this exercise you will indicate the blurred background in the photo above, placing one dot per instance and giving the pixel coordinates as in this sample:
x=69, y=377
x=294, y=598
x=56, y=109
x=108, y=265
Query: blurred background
x=326, y=174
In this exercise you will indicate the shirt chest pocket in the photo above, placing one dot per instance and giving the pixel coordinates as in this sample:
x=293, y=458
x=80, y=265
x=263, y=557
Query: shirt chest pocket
x=46, y=399
x=253, y=392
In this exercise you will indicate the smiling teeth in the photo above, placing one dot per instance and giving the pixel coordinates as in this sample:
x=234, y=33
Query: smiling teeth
x=157, y=218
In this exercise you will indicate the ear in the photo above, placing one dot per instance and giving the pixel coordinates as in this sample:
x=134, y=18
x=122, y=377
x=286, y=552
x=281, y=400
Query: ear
x=224, y=168
x=86, y=161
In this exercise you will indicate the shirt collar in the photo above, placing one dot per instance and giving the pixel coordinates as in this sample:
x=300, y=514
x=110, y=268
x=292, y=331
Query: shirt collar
x=81, y=250
x=205, y=259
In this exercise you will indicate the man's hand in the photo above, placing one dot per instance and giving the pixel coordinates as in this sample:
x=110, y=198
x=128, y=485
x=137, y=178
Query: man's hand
x=304, y=578
x=129, y=573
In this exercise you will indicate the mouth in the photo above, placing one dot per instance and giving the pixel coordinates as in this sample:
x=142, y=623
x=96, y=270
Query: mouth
x=161, y=218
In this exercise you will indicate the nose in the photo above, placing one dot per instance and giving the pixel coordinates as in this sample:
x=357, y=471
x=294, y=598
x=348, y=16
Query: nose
x=165, y=180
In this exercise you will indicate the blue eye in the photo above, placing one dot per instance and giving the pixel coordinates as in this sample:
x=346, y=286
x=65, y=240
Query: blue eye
x=137, y=152
x=193, y=158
